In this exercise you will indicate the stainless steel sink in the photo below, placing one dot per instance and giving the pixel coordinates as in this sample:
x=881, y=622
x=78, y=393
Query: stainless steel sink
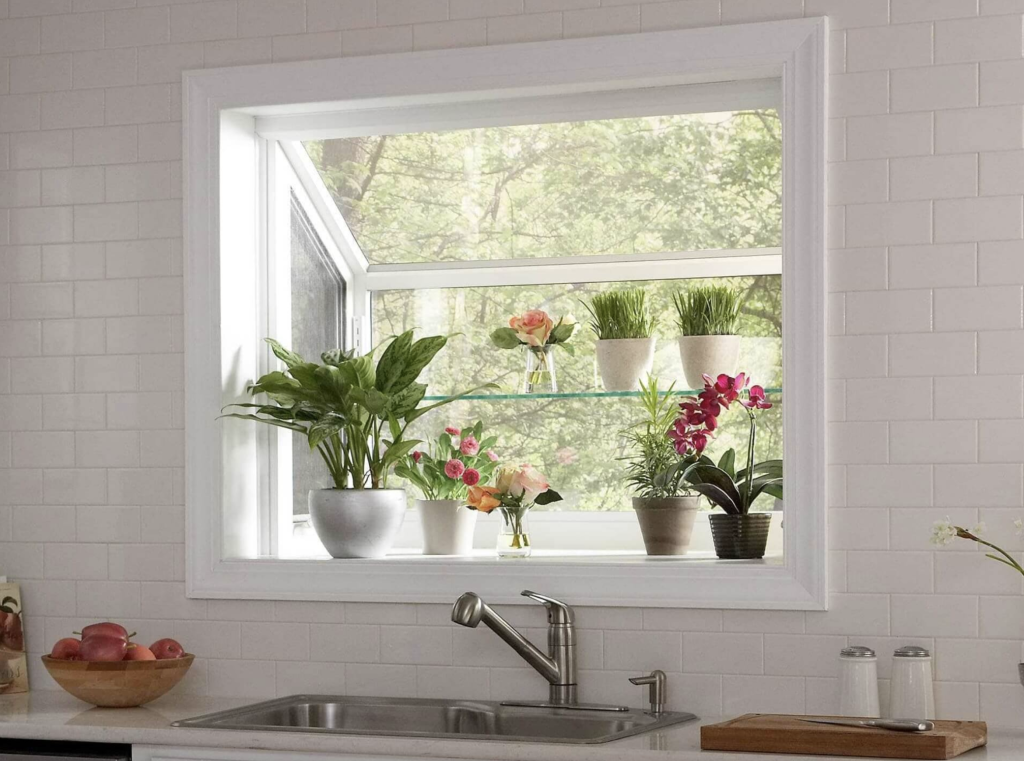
x=412, y=717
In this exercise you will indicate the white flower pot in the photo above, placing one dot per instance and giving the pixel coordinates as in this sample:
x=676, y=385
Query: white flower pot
x=711, y=355
x=357, y=523
x=448, y=526
x=624, y=362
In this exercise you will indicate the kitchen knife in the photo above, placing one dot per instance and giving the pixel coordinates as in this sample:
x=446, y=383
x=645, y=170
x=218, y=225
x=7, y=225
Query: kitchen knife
x=896, y=725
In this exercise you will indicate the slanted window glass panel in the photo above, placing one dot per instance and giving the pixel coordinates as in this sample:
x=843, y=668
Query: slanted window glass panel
x=317, y=299
x=647, y=184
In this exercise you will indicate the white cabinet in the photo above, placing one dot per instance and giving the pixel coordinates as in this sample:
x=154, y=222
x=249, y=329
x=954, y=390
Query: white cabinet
x=170, y=753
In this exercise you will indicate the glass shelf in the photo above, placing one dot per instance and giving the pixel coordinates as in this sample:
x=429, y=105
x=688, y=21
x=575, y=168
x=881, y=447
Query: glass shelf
x=592, y=394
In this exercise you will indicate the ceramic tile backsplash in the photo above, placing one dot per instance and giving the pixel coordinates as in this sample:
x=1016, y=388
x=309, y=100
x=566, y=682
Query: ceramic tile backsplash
x=925, y=368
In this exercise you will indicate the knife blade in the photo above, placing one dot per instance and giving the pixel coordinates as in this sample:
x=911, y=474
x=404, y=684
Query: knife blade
x=895, y=725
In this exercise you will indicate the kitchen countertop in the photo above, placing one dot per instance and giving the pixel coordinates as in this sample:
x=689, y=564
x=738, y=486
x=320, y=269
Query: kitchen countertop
x=56, y=716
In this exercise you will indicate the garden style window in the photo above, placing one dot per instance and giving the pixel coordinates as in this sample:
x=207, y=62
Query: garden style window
x=334, y=205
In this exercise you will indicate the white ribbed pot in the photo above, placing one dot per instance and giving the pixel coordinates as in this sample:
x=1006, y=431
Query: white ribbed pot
x=623, y=362
x=357, y=523
x=448, y=526
x=711, y=355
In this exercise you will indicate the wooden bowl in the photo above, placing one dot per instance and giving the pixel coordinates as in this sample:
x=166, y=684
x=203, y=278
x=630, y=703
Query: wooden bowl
x=121, y=684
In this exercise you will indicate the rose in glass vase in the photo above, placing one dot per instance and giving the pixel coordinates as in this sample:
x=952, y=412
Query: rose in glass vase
x=538, y=334
x=516, y=490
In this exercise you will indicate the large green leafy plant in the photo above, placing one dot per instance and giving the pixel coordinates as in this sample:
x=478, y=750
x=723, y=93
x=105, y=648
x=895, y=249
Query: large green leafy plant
x=353, y=412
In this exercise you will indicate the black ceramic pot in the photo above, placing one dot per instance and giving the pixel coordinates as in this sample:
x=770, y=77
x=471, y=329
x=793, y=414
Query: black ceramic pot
x=740, y=537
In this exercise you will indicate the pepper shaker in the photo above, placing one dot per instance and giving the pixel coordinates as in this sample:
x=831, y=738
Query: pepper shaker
x=858, y=682
x=911, y=693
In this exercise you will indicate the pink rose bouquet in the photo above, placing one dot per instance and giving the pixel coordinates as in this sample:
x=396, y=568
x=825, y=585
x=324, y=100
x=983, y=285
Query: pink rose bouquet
x=459, y=458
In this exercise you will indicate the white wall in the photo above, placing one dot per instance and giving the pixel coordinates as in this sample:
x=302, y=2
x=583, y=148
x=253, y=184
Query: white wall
x=926, y=379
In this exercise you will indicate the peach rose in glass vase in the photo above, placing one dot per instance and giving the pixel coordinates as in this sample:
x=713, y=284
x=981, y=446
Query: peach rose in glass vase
x=538, y=334
x=516, y=489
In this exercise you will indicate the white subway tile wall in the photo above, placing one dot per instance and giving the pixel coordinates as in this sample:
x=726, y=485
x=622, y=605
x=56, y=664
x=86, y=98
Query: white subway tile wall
x=926, y=354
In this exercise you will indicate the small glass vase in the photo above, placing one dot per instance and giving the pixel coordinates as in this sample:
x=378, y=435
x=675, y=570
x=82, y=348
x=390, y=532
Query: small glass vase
x=539, y=377
x=514, y=534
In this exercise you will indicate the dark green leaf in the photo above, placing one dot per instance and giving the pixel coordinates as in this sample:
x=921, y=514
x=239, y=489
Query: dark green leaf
x=547, y=497
x=393, y=362
x=562, y=332
x=268, y=421
x=718, y=497
x=709, y=474
x=728, y=463
x=505, y=338
x=289, y=358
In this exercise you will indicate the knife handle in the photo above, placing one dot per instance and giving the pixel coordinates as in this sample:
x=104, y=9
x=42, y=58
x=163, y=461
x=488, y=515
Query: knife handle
x=903, y=725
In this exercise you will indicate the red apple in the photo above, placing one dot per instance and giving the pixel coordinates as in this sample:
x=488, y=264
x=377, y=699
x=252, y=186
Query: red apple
x=106, y=629
x=102, y=647
x=139, y=653
x=167, y=649
x=66, y=649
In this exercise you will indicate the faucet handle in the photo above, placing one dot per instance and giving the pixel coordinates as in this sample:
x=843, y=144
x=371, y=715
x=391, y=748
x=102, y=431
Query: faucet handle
x=558, y=611
x=656, y=680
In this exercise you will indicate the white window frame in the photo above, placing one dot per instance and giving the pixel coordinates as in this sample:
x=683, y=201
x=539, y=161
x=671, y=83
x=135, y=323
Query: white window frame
x=232, y=115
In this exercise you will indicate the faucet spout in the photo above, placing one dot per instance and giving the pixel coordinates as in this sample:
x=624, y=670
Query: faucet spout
x=558, y=666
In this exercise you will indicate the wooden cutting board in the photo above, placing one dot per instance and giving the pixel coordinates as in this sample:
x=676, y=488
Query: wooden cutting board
x=776, y=733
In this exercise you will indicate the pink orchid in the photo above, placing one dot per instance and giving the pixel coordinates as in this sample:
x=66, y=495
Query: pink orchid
x=469, y=446
x=727, y=387
x=471, y=477
x=756, y=399
x=454, y=469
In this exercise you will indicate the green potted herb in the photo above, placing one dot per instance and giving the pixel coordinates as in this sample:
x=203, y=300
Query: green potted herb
x=707, y=316
x=624, y=328
x=355, y=414
x=665, y=506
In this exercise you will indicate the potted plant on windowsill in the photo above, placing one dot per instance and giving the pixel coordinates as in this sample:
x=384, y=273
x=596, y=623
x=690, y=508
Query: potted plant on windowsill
x=625, y=341
x=455, y=461
x=355, y=415
x=665, y=508
x=737, y=533
x=708, y=344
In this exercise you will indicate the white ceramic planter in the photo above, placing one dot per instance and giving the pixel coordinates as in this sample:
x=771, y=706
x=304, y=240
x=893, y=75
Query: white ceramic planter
x=624, y=362
x=711, y=355
x=447, y=525
x=357, y=523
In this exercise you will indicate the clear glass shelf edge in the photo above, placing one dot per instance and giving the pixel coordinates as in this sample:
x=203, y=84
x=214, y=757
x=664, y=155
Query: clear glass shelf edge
x=592, y=394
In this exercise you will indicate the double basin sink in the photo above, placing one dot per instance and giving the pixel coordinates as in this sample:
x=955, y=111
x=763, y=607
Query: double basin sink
x=416, y=717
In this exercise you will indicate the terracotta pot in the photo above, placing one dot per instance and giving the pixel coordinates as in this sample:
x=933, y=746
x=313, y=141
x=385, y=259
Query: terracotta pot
x=740, y=537
x=357, y=523
x=667, y=523
x=712, y=355
x=447, y=526
x=623, y=362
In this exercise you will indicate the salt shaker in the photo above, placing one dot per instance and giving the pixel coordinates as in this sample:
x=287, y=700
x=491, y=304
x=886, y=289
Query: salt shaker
x=911, y=693
x=858, y=682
